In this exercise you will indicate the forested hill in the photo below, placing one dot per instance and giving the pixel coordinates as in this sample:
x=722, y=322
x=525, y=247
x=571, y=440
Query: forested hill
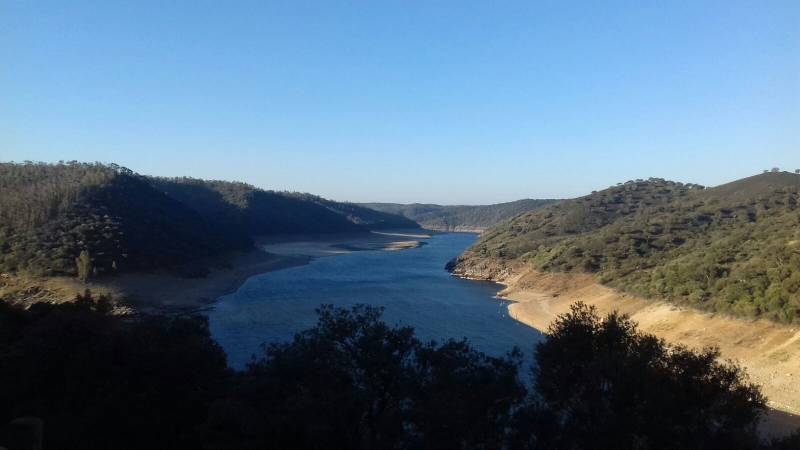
x=257, y=212
x=459, y=217
x=734, y=248
x=51, y=213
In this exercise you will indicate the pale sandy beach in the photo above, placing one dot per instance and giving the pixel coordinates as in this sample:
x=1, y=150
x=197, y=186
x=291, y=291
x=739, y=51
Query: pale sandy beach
x=322, y=245
x=769, y=352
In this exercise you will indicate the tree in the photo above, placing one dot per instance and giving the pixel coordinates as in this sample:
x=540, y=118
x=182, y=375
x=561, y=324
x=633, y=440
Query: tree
x=355, y=382
x=609, y=386
x=84, y=264
x=102, y=381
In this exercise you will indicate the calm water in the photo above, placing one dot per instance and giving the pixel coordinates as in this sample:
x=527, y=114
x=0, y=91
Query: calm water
x=411, y=284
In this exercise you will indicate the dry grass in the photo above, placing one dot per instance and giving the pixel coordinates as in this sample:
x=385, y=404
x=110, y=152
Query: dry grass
x=25, y=289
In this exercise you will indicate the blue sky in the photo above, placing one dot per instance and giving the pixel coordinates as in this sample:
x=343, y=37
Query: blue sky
x=428, y=101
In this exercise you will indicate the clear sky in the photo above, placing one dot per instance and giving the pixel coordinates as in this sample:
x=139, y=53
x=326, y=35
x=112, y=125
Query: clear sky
x=428, y=101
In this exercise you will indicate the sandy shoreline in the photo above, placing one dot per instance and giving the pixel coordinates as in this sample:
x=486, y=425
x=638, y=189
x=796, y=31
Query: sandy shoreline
x=160, y=292
x=330, y=245
x=769, y=352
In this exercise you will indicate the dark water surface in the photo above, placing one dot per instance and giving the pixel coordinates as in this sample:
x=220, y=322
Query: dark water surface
x=411, y=285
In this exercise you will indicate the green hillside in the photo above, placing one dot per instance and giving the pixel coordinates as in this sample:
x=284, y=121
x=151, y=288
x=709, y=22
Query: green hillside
x=459, y=217
x=253, y=211
x=733, y=248
x=361, y=215
x=50, y=213
x=258, y=212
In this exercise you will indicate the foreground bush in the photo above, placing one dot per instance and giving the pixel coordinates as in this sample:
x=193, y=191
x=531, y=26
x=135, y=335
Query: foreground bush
x=354, y=382
x=101, y=382
x=609, y=386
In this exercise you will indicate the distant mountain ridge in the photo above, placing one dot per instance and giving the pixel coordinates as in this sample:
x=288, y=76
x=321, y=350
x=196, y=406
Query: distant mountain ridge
x=459, y=217
x=734, y=248
x=50, y=213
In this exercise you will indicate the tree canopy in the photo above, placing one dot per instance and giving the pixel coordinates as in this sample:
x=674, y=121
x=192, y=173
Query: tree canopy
x=50, y=213
x=99, y=381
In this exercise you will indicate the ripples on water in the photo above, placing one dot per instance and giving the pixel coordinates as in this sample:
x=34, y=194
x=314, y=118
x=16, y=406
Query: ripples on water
x=411, y=285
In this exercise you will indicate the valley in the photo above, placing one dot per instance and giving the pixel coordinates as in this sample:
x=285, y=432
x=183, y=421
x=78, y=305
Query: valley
x=447, y=225
x=460, y=218
x=697, y=267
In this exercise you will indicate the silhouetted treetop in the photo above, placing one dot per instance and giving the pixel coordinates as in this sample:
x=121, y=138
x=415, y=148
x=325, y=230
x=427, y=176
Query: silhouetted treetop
x=99, y=381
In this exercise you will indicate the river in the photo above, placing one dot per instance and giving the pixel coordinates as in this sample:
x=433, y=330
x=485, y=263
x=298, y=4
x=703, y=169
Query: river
x=411, y=285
